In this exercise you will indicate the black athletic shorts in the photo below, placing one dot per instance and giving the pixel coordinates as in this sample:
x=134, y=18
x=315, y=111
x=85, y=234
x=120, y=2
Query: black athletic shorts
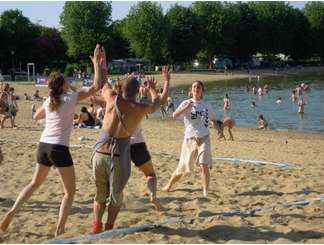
x=139, y=154
x=51, y=154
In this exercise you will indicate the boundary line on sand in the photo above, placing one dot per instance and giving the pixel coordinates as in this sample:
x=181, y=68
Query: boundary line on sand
x=146, y=227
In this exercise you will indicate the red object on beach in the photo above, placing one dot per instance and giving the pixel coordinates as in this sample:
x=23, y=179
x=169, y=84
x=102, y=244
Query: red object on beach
x=96, y=227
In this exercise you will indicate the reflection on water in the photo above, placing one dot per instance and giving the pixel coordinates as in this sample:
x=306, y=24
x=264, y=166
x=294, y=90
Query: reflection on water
x=280, y=116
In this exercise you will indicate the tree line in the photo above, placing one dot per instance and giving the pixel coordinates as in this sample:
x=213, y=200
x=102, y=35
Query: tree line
x=201, y=31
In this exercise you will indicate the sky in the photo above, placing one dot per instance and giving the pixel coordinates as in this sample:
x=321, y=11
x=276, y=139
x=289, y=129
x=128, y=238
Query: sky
x=47, y=13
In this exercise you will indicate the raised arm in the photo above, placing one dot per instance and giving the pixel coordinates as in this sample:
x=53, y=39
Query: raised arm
x=166, y=75
x=151, y=107
x=98, y=79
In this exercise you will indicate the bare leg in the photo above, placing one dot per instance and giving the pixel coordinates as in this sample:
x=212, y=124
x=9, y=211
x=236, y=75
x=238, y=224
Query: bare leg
x=174, y=178
x=230, y=133
x=68, y=180
x=148, y=170
x=112, y=216
x=205, y=176
x=98, y=211
x=40, y=174
x=3, y=121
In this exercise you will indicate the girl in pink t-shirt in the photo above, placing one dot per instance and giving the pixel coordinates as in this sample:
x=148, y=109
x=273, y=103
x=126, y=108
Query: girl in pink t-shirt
x=53, y=148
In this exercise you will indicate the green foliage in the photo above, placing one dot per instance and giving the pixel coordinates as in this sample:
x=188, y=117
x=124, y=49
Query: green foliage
x=83, y=25
x=69, y=69
x=314, y=12
x=17, y=34
x=146, y=30
x=185, y=35
x=118, y=46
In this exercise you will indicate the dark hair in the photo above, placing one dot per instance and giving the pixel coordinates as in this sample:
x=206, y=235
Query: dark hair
x=261, y=117
x=84, y=109
x=130, y=87
x=220, y=124
x=55, y=84
x=226, y=95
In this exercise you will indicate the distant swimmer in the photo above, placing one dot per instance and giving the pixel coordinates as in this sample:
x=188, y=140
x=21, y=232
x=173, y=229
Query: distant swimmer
x=293, y=96
x=253, y=104
x=227, y=122
x=279, y=100
x=263, y=124
x=260, y=91
x=301, y=105
x=227, y=103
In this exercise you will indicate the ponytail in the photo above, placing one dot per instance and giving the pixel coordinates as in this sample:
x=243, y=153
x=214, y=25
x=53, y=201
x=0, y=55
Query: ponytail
x=55, y=84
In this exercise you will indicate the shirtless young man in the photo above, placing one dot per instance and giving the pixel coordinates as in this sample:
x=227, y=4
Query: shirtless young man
x=111, y=158
x=140, y=155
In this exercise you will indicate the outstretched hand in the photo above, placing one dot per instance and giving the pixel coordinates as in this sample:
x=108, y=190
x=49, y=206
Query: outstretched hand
x=96, y=55
x=166, y=70
x=151, y=82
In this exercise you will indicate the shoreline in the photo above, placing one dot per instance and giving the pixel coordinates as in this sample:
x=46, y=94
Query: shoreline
x=186, y=78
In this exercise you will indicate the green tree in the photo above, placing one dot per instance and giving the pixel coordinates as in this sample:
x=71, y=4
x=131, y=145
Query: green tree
x=83, y=25
x=118, y=44
x=246, y=32
x=146, y=30
x=314, y=11
x=275, y=32
x=49, y=49
x=17, y=35
x=185, y=35
x=300, y=46
x=210, y=15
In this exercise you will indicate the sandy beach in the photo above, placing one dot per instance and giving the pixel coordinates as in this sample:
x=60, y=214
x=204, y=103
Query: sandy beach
x=233, y=186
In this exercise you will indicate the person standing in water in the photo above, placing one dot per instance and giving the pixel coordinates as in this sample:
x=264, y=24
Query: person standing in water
x=196, y=150
x=227, y=103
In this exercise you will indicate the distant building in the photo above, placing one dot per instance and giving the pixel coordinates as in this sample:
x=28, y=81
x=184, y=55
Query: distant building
x=128, y=65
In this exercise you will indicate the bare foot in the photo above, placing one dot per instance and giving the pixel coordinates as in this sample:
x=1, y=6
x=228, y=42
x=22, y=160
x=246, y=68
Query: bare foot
x=59, y=231
x=156, y=203
x=5, y=222
x=205, y=192
x=166, y=188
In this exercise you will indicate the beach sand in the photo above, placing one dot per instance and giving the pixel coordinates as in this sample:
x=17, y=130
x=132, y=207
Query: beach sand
x=233, y=187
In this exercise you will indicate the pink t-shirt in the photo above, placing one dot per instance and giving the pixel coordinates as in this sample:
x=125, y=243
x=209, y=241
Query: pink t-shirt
x=58, y=124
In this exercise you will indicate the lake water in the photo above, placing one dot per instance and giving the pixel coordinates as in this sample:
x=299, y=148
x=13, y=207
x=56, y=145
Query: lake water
x=282, y=116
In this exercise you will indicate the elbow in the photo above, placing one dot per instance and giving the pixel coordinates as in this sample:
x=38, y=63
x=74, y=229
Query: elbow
x=174, y=115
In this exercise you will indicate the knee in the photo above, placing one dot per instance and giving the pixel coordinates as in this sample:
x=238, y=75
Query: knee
x=35, y=183
x=204, y=168
x=116, y=199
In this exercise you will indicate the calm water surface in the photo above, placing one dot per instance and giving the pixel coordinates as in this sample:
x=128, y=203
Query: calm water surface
x=282, y=116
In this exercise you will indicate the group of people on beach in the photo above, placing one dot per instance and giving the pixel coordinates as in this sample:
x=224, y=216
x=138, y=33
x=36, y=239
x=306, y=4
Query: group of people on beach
x=120, y=141
x=8, y=104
